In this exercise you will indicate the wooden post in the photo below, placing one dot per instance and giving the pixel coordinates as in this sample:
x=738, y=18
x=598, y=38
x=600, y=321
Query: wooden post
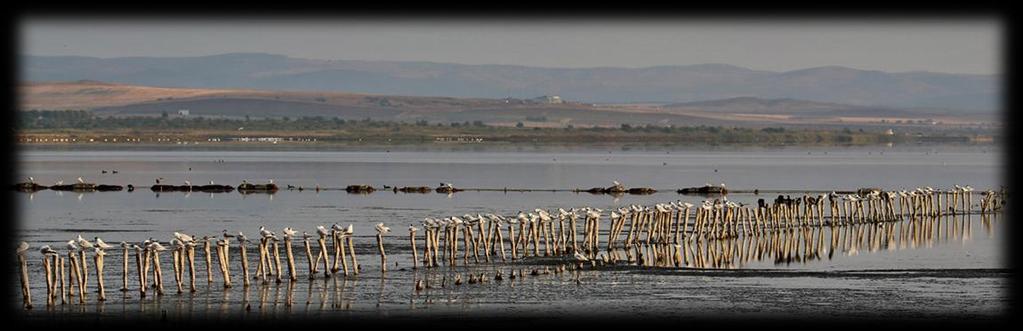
x=25, y=288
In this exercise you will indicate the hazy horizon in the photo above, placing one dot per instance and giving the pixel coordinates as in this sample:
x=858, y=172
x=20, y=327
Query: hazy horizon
x=952, y=46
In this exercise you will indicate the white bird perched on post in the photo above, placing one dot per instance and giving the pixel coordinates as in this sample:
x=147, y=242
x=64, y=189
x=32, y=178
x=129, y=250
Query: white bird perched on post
x=183, y=237
x=382, y=229
x=102, y=245
x=81, y=181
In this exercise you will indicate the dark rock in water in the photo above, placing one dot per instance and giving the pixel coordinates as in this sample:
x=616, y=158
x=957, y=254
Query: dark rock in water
x=213, y=188
x=28, y=187
x=415, y=189
x=360, y=189
x=257, y=188
x=163, y=188
x=642, y=190
x=448, y=189
x=83, y=187
x=109, y=188
x=131, y=188
x=187, y=188
x=707, y=189
x=67, y=187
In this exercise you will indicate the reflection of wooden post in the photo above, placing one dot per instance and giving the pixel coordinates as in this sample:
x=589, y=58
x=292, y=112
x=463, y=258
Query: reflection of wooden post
x=26, y=290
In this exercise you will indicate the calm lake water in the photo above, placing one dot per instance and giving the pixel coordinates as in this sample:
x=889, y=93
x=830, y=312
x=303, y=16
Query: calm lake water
x=49, y=217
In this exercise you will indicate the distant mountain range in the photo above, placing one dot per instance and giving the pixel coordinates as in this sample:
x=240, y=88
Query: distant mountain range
x=113, y=99
x=661, y=84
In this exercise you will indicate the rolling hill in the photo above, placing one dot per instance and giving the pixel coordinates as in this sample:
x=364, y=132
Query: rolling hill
x=660, y=84
x=112, y=99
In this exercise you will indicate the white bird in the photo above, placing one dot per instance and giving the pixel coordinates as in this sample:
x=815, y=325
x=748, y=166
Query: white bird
x=350, y=229
x=80, y=180
x=83, y=243
x=382, y=229
x=265, y=233
x=71, y=245
x=31, y=180
x=289, y=232
x=60, y=182
x=46, y=250
x=156, y=246
x=102, y=245
x=183, y=237
x=322, y=231
x=22, y=248
x=99, y=252
x=412, y=228
x=188, y=183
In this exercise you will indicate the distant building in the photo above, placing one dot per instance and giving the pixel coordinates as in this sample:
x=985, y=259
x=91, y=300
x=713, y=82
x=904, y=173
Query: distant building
x=183, y=112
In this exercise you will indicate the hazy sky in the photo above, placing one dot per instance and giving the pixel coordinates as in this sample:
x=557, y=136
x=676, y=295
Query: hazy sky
x=953, y=45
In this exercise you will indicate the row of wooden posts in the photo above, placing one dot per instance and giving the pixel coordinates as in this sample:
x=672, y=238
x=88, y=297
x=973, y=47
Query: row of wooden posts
x=655, y=236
